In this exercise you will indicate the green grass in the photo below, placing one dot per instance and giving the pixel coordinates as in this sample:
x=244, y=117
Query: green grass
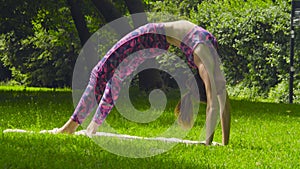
x=263, y=135
x=25, y=88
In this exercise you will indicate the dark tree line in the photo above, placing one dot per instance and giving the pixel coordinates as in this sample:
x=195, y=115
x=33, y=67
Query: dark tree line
x=21, y=19
x=40, y=40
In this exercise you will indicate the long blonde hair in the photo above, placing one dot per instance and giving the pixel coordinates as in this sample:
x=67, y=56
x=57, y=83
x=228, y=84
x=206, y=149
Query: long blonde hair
x=185, y=119
x=184, y=108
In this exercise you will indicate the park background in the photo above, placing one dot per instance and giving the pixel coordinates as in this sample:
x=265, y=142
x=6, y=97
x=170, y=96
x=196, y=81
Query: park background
x=40, y=42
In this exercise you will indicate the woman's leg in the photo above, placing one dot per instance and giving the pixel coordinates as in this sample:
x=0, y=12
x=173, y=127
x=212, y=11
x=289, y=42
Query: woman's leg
x=210, y=114
x=105, y=106
x=69, y=127
x=113, y=87
x=215, y=83
x=225, y=122
x=85, y=105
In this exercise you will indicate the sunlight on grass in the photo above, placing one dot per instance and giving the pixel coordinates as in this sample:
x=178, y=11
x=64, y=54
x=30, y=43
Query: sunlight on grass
x=24, y=88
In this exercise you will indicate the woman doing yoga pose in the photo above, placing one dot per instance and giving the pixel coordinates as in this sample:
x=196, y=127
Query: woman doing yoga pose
x=199, y=47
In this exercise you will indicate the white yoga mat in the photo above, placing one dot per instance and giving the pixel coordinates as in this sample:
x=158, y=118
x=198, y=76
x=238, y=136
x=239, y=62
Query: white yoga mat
x=121, y=136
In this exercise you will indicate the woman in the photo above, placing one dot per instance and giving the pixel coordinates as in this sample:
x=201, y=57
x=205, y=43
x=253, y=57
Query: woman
x=196, y=43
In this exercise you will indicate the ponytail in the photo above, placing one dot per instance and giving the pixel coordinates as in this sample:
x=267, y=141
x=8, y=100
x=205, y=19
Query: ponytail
x=184, y=111
x=184, y=108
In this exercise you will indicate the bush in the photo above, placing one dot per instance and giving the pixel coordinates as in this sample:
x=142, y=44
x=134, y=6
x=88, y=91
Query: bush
x=254, y=41
x=280, y=93
x=46, y=56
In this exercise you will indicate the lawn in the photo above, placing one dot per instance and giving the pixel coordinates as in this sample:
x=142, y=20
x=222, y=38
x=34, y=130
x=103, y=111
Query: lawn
x=263, y=135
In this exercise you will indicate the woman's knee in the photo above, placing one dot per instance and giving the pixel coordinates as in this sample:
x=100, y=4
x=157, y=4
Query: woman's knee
x=93, y=76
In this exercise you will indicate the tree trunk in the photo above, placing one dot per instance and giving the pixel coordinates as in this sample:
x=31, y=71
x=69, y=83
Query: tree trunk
x=79, y=21
x=110, y=13
x=149, y=78
x=136, y=6
x=88, y=57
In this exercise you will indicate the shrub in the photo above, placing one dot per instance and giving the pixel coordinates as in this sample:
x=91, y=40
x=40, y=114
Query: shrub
x=254, y=41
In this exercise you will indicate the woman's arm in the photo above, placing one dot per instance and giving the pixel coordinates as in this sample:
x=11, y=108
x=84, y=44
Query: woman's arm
x=225, y=122
x=211, y=114
x=215, y=101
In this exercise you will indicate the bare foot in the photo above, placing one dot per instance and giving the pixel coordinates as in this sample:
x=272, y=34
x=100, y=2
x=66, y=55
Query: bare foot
x=216, y=144
x=69, y=128
x=211, y=144
x=90, y=131
x=92, y=128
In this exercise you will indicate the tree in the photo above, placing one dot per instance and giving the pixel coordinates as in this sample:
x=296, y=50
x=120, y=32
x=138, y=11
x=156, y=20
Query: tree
x=148, y=78
x=39, y=45
x=79, y=21
x=39, y=38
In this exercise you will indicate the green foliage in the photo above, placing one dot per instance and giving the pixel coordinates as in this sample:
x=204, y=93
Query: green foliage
x=279, y=93
x=15, y=16
x=47, y=55
x=54, y=51
x=175, y=7
x=254, y=41
x=248, y=93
